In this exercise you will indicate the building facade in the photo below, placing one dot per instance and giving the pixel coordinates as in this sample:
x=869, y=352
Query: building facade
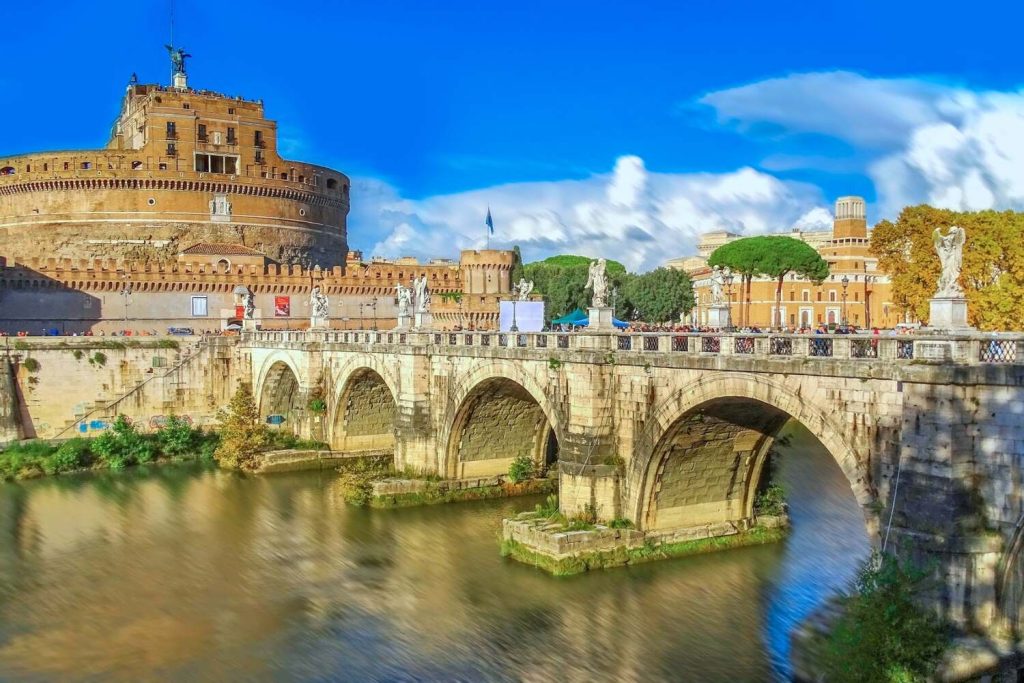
x=855, y=291
x=181, y=167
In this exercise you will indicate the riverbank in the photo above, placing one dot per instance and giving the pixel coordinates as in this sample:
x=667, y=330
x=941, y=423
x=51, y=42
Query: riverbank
x=122, y=446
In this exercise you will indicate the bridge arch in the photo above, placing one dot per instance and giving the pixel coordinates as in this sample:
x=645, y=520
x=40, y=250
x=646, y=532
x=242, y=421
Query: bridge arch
x=365, y=407
x=496, y=412
x=279, y=391
x=700, y=457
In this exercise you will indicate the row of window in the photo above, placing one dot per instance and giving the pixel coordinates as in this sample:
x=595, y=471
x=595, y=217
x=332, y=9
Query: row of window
x=203, y=136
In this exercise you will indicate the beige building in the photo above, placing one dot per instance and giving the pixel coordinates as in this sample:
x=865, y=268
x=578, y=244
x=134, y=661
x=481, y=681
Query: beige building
x=855, y=290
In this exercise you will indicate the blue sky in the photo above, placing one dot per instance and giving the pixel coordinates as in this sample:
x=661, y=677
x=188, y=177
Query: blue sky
x=622, y=129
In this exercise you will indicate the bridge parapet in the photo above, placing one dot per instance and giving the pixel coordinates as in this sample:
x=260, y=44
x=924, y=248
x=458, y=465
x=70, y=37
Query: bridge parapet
x=948, y=349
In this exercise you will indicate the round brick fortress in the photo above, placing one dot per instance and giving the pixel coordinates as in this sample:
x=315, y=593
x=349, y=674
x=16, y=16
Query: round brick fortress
x=182, y=167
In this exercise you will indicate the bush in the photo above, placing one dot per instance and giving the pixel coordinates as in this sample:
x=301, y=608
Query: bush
x=549, y=508
x=177, y=437
x=122, y=445
x=69, y=456
x=279, y=440
x=521, y=469
x=31, y=364
x=621, y=523
x=770, y=501
x=883, y=635
x=24, y=460
x=99, y=358
x=243, y=435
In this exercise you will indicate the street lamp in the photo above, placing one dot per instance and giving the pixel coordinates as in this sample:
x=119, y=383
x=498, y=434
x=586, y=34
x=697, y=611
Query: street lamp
x=126, y=292
x=846, y=283
x=727, y=277
x=373, y=306
x=360, y=315
x=515, y=299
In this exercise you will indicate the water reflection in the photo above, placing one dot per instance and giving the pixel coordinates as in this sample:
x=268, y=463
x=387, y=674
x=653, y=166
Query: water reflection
x=192, y=574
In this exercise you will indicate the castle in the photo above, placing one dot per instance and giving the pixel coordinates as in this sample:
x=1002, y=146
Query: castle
x=189, y=201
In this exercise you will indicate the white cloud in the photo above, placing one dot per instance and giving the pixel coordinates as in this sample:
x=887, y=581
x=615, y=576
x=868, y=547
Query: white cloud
x=921, y=141
x=631, y=214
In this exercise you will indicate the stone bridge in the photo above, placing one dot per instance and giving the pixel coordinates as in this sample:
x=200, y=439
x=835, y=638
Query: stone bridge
x=672, y=431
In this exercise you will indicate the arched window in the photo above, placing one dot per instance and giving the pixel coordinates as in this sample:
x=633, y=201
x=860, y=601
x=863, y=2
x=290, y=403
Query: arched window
x=332, y=183
x=7, y=170
x=223, y=266
x=136, y=165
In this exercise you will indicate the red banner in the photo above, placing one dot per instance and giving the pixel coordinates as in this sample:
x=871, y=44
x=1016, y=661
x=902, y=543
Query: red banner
x=282, y=306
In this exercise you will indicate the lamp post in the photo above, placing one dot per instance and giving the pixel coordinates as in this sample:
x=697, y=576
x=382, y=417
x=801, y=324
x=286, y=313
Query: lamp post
x=846, y=283
x=360, y=315
x=373, y=306
x=868, y=279
x=727, y=277
x=515, y=299
x=126, y=293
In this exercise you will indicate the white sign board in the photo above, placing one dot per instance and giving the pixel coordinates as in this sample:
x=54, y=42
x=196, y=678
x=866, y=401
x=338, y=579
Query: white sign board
x=529, y=316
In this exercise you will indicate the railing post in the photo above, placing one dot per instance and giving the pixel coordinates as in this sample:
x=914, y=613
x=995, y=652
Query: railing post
x=761, y=346
x=726, y=345
x=841, y=347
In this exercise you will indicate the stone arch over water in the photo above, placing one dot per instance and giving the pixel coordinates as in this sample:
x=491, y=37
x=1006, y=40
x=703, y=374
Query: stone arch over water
x=497, y=414
x=280, y=394
x=364, y=414
x=700, y=458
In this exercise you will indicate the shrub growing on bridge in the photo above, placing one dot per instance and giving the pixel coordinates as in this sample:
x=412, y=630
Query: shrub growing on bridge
x=883, y=635
x=521, y=469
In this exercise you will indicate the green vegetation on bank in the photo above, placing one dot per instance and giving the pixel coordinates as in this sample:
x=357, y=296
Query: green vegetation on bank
x=882, y=634
x=121, y=446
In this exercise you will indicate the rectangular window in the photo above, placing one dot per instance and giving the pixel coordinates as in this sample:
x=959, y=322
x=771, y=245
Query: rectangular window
x=231, y=136
x=172, y=131
x=258, y=138
x=231, y=111
x=186, y=106
x=202, y=163
x=199, y=308
x=202, y=132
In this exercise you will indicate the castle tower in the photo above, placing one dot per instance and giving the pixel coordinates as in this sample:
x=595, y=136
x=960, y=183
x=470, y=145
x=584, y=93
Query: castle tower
x=850, y=219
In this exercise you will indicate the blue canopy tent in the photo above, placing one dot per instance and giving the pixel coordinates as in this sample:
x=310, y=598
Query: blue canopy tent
x=577, y=317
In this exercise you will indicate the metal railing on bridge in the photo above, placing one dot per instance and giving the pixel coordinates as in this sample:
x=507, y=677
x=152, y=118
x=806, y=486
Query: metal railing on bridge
x=961, y=349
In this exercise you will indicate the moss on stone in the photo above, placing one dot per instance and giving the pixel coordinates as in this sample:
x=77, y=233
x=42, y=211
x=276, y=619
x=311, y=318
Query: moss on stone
x=618, y=557
x=435, y=494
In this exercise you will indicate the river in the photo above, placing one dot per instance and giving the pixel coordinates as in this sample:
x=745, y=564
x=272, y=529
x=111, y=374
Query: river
x=185, y=573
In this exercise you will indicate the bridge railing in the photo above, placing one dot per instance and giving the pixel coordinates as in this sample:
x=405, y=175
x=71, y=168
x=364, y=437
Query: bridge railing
x=966, y=349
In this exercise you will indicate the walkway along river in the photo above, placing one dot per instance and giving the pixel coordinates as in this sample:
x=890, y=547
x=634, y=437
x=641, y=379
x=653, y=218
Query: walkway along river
x=183, y=573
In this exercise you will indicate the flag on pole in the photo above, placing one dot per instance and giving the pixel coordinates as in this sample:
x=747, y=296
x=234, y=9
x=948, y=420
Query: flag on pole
x=489, y=222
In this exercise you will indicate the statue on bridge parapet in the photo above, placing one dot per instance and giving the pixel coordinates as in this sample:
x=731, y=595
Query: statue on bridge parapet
x=598, y=281
x=424, y=320
x=524, y=289
x=318, y=309
x=948, y=308
x=950, y=247
x=404, y=305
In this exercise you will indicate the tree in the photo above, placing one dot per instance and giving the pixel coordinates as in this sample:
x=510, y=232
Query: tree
x=781, y=256
x=243, y=435
x=562, y=280
x=660, y=295
x=993, y=265
x=775, y=256
x=739, y=256
x=517, y=265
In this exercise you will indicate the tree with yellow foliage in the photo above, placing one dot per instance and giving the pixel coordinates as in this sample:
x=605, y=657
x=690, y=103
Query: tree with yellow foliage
x=993, y=265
